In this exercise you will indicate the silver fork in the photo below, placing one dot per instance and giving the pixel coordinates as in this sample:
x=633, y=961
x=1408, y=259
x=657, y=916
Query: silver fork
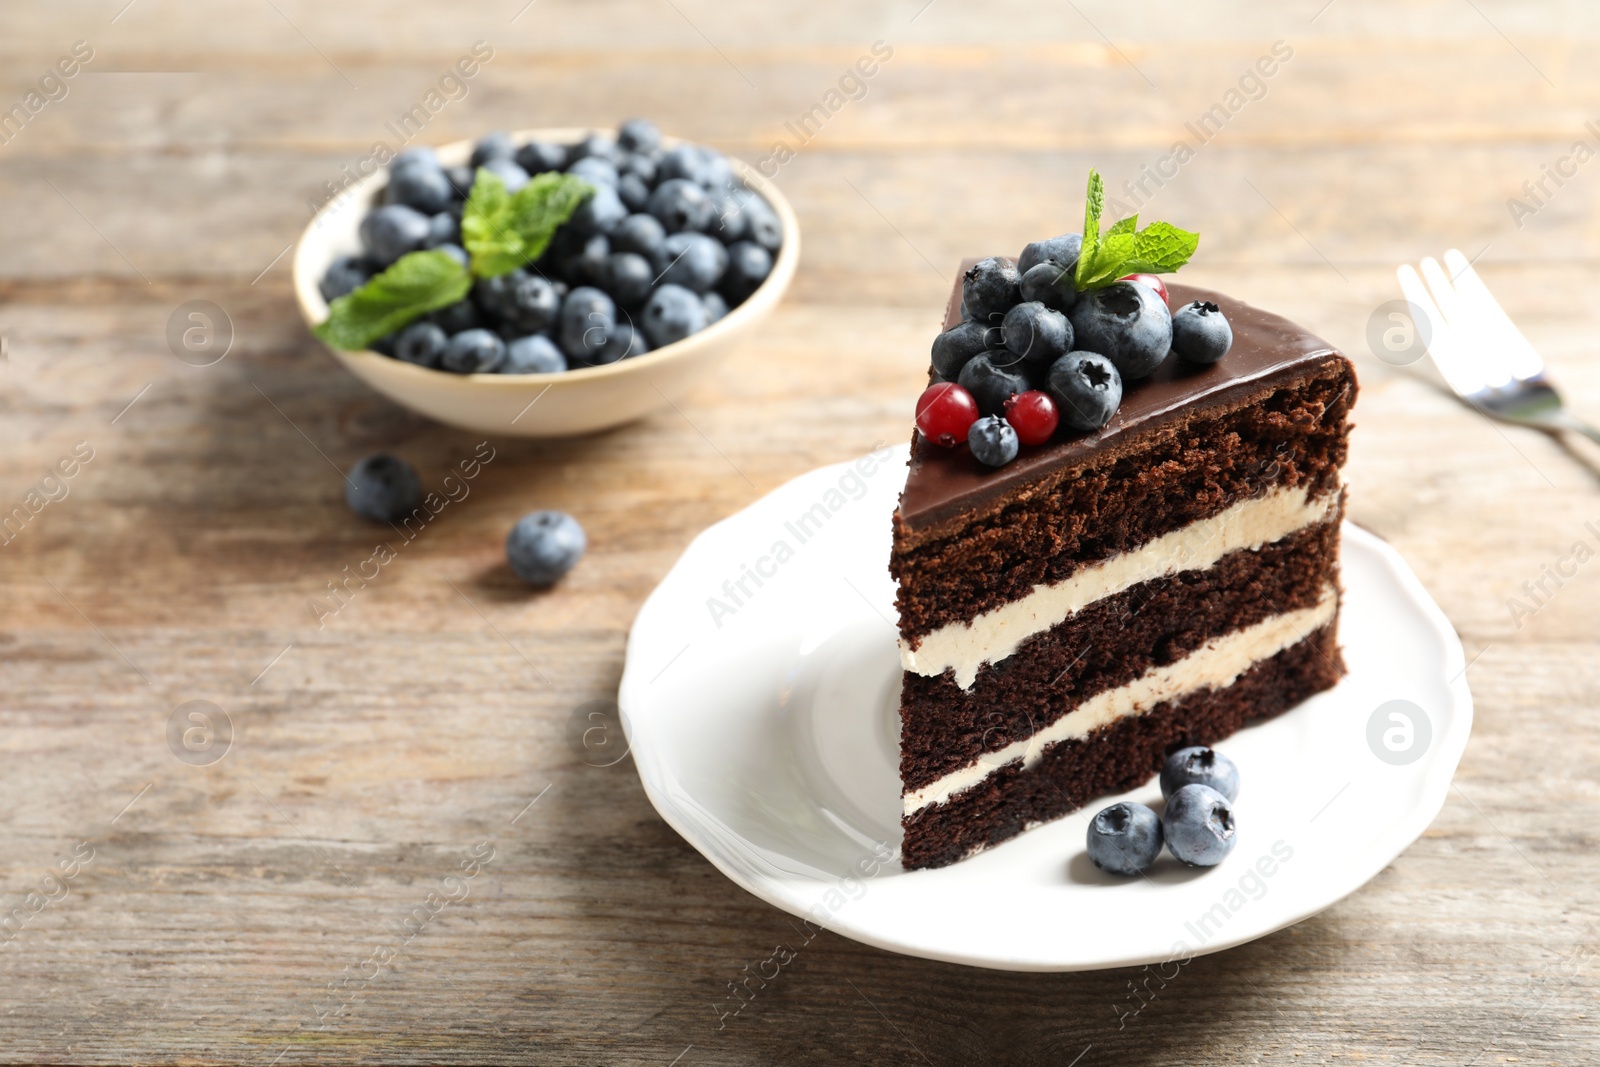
x=1480, y=351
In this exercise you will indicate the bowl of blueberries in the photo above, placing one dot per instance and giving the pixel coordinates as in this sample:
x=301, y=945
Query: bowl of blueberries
x=549, y=282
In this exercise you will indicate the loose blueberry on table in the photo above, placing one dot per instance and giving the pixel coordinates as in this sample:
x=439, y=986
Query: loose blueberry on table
x=544, y=545
x=382, y=488
x=1048, y=343
x=539, y=258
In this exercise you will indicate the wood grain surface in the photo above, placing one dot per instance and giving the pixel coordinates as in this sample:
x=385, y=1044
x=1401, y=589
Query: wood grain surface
x=362, y=878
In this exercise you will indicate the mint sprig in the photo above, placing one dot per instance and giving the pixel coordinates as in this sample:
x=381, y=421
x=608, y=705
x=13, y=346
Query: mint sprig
x=416, y=283
x=502, y=231
x=505, y=230
x=1124, y=249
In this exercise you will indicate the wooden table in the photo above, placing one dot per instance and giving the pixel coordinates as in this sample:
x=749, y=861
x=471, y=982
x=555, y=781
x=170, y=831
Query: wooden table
x=294, y=901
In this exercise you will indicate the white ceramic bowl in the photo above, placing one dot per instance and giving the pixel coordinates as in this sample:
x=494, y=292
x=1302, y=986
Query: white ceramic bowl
x=536, y=405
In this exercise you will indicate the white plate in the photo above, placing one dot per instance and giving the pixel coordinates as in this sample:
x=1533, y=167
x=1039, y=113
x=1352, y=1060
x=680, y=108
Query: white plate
x=765, y=732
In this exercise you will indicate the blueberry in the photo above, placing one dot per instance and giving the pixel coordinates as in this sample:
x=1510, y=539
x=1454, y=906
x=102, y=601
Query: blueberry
x=692, y=260
x=345, y=275
x=633, y=191
x=993, y=441
x=382, y=488
x=493, y=295
x=628, y=278
x=421, y=343
x=639, y=233
x=717, y=172
x=456, y=318
x=419, y=185
x=393, y=230
x=385, y=345
x=748, y=266
x=418, y=155
x=537, y=157
x=457, y=253
x=1051, y=284
x=531, y=303
x=953, y=348
x=586, y=316
x=1063, y=250
x=639, y=135
x=989, y=384
x=640, y=166
x=587, y=266
x=622, y=342
x=595, y=146
x=671, y=314
x=729, y=223
x=443, y=229
x=507, y=171
x=595, y=170
x=680, y=204
x=1200, y=332
x=1199, y=765
x=475, y=351
x=460, y=179
x=1087, y=389
x=495, y=146
x=761, y=222
x=1125, y=839
x=601, y=213
x=716, y=307
x=1127, y=323
x=1036, y=334
x=990, y=288
x=684, y=161
x=1198, y=825
x=544, y=545
x=536, y=354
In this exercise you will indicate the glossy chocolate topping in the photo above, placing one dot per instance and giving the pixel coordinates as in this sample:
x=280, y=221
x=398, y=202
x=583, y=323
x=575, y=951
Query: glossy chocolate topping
x=1268, y=351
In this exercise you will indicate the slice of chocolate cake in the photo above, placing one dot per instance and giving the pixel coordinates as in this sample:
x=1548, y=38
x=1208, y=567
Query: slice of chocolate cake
x=1069, y=617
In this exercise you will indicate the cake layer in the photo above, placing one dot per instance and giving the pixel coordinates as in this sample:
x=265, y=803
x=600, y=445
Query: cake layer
x=1114, y=758
x=1072, y=518
x=1106, y=645
x=964, y=647
x=1214, y=665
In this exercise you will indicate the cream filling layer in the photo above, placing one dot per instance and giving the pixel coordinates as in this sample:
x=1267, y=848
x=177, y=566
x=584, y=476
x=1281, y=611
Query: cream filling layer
x=1215, y=664
x=994, y=635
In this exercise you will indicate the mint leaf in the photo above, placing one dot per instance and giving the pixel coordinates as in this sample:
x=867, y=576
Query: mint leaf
x=417, y=283
x=1161, y=248
x=1127, y=225
x=504, y=230
x=1124, y=249
x=1094, y=202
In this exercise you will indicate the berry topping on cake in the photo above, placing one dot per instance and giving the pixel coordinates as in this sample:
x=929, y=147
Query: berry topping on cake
x=1128, y=324
x=993, y=442
x=1036, y=334
x=1086, y=388
x=1200, y=332
x=990, y=289
x=945, y=412
x=991, y=378
x=1033, y=415
x=1153, y=281
x=953, y=348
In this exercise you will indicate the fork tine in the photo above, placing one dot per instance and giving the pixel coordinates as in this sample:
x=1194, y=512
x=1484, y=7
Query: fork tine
x=1442, y=347
x=1465, y=329
x=1511, y=347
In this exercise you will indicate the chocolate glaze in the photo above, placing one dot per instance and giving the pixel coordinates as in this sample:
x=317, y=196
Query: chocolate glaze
x=1268, y=351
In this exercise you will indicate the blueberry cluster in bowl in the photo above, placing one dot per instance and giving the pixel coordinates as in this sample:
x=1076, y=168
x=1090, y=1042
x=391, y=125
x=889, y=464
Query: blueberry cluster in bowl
x=1049, y=339
x=664, y=242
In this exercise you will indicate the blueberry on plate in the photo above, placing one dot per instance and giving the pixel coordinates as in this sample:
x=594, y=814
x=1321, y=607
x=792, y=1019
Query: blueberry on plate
x=748, y=266
x=476, y=351
x=639, y=232
x=629, y=278
x=420, y=185
x=671, y=314
x=990, y=288
x=1127, y=323
x=496, y=145
x=422, y=343
x=680, y=204
x=639, y=135
x=537, y=157
x=692, y=260
x=1124, y=839
x=716, y=307
x=544, y=545
x=505, y=168
x=1086, y=388
x=536, y=354
x=601, y=213
x=587, y=316
x=382, y=488
x=993, y=442
x=1198, y=825
x=393, y=230
x=991, y=385
x=595, y=170
x=1200, y=765
x=1063, y=250
x=1036, y=334
x=1051, y=284
x=960, y=343
x=1200, y=332
x=345, y=275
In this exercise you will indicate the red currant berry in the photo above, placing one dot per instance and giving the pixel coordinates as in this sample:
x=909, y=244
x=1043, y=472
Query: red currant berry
x=1032, y=415
x=945, y=412
x=1152, y=282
